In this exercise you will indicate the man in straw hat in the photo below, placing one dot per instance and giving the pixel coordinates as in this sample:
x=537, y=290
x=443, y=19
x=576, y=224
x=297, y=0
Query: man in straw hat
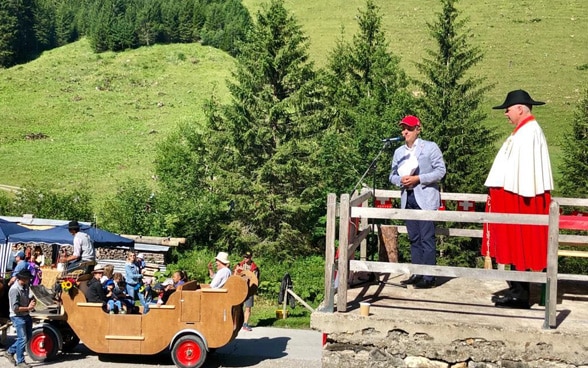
x=20, y=307
x=520, y=181
x=223, y=272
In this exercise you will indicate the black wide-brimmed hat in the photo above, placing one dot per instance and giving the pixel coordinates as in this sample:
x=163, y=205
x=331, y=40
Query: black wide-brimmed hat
x=518, y=97
x=24, y=274
x=73, y=225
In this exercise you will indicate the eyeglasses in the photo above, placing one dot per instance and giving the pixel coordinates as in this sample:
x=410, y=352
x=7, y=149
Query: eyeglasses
x=409, y=128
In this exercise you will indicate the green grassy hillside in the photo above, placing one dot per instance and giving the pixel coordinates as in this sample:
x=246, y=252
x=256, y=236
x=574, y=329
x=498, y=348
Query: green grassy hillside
x=103, y=114
x=537, y=45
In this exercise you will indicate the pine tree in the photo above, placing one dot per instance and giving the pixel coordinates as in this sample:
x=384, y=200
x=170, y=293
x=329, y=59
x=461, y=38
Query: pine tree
x=451, y=117
x=450, y=107
x=367, y=91
x=66, y=29
x=8, y=34
x=262, y=142
x=17, y=34
x=574, y=166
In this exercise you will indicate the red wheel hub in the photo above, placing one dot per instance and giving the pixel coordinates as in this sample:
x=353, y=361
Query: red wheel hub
x=41, y=344
x=188, y=353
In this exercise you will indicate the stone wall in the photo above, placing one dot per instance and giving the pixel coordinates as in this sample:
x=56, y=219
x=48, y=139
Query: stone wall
x=404, y=340
x=400, y=350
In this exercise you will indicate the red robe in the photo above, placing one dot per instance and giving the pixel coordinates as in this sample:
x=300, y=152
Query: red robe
x=520, y=181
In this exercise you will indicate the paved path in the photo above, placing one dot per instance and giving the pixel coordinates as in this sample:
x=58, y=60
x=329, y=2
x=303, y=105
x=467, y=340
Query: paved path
x=264, y=347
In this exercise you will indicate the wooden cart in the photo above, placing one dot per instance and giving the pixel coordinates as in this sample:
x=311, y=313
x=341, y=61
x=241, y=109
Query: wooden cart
x=194, y=320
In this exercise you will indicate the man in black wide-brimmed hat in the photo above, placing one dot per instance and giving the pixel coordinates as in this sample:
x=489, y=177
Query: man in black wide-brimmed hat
x=520, y=181
x=84, y=255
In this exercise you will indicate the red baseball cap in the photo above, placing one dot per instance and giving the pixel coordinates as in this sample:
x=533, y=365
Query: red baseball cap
x=411, y=121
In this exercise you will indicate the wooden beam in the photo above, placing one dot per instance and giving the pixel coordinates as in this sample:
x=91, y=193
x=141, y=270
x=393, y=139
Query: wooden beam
x=156, y=240
x=572, y=253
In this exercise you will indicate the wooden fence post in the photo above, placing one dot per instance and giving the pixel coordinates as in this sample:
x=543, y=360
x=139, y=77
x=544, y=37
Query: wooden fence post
x=343, y=264
x=330, y=253
x=388, y=251
x=551, y=283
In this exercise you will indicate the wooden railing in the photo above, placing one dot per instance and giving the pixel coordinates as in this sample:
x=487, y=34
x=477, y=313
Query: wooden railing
x=357, y=208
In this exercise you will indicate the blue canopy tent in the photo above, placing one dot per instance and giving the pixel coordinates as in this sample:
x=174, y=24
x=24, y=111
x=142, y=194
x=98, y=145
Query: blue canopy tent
x=61, y=235
x=7, y=228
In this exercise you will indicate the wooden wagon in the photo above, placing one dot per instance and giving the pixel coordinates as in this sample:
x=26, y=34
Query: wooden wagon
x=195, y=320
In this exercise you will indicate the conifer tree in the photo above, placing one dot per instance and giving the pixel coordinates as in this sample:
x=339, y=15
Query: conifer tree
x=8, y=34
x=66, y=28
x=450, y=107
x=262, y=141
x=17, y=35
x=367, y=92
x=451, y=116
x=574, y=165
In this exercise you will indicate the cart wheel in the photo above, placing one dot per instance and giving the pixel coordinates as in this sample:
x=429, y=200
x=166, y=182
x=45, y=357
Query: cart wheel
x=43, y=344
x=70, y=339
x=189, y=352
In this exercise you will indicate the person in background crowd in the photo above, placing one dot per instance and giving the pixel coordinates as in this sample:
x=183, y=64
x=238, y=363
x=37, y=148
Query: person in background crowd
x=164, y=290
x=120, y=291
x=140, y=261
x=146, y=287
x=21, y=265
x=95, y=292
x=248, y=265
x=134, y=281
x=417, y=168
x=108, y=272
x=223, y=272
x=178, y=278
x=21, y=304
x=35, y=270
x=520, y=181
x=38, y=256
x=113, y=304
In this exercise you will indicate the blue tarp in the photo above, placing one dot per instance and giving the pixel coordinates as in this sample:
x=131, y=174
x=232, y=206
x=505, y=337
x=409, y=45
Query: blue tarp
x=8, y=228
x=61, y=235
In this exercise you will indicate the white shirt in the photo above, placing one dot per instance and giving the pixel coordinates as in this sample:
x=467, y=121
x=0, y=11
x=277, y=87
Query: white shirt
x=84, y=247
x=220, y=277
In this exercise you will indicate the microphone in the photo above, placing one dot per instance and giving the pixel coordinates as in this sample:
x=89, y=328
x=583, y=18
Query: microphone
x=393, y=139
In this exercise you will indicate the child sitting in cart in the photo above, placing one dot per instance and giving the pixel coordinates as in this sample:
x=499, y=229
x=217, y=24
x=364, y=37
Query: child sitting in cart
x=119, y=290
x=165, y=289
x=113, y=304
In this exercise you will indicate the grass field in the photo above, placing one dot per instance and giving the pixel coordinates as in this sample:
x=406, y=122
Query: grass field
x=102, y=114
x=537, y=45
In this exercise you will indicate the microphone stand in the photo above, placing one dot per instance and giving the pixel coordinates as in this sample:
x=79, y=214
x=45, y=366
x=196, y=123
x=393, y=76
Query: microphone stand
x=372, y=166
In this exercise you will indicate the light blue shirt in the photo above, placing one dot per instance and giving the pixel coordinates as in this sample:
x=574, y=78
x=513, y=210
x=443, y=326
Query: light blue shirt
x=21, y=265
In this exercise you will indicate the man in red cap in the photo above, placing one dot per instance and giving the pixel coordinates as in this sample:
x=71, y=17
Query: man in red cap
x=417, y=168
x=247, y=264
x=520, y=181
